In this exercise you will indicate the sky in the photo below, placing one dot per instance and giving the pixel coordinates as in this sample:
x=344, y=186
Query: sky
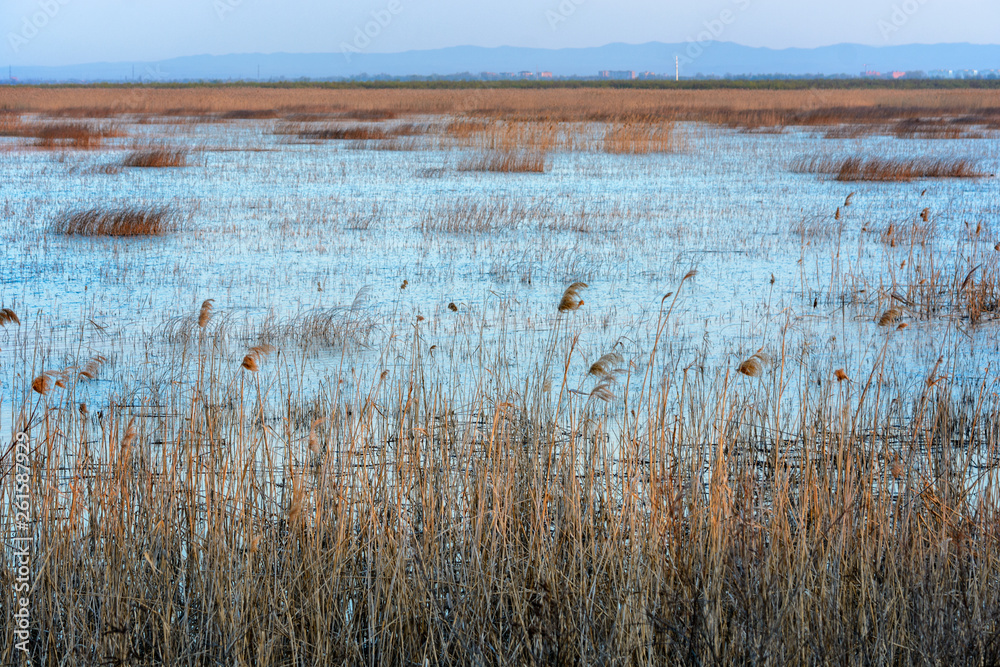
x=62, y=32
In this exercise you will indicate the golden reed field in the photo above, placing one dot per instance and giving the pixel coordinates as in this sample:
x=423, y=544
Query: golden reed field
x=569, y=104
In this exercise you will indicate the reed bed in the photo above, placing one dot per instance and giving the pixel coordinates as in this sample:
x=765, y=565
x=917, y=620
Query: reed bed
x=649, y=521
x=734, y=108
x=889, y=169
x=126, y=221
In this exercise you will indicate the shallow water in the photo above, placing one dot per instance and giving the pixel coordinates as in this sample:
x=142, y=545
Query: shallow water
x=269, y=232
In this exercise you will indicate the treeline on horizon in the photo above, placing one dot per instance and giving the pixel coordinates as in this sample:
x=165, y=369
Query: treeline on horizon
x=691, y=84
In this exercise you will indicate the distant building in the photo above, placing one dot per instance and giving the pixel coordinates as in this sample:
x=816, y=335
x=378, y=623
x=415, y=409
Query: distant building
x=545, y=75
x=618, y=75
x=898, y=75
x=527, y=75
x=941, y=74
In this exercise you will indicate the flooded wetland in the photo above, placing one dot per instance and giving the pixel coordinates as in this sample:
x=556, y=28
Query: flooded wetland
x=503, y=377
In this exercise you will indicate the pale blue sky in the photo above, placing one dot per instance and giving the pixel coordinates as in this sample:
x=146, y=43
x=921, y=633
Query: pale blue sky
x=54, y=32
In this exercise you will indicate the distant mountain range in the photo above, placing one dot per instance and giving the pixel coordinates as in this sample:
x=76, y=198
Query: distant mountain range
x=706, y=59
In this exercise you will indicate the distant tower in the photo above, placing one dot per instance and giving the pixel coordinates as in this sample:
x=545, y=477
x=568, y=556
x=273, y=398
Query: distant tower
x=677, y=68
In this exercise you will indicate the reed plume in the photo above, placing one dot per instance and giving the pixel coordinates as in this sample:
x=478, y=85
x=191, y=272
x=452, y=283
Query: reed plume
x=603, y=391
x=606, y=365
x=93, y=368
x=206, y=313
x=315, y=446
x=8, y=316
x=751, y=367
x=889, y=317
x=571, y=299
x=256, y=354
x=41, y=384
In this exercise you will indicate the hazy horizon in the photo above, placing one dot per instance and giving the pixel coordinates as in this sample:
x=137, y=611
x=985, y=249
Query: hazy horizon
x=67, y=32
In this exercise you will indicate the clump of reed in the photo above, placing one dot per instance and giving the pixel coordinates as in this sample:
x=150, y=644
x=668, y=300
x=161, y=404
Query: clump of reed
x=889, y=169
x=155, y=157
x=343, y=133
x=10, y=124
x=69, y=135
x=125, y=221
x=527, y=162
x=639, y=136
x=402, y=144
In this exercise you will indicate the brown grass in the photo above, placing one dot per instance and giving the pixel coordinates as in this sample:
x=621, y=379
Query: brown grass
x=888, y=169
x=127, y=221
